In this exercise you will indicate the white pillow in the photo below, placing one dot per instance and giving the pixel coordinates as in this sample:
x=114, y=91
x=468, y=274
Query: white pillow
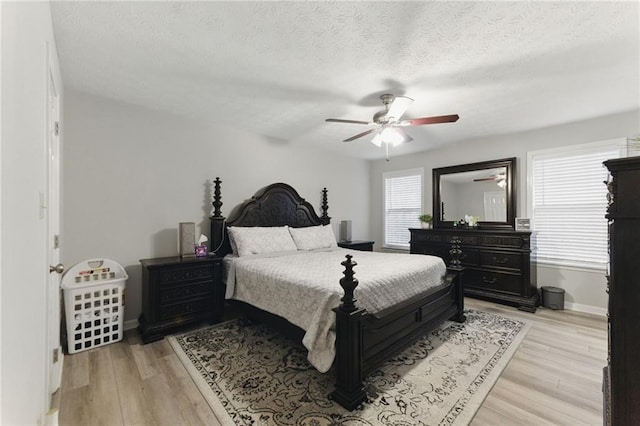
x=313, y=237
x=232, y=242
x=257, y=240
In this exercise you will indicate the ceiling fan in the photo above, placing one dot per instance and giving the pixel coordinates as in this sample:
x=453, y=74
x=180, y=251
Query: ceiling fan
x=499, y=178
x=387, y=123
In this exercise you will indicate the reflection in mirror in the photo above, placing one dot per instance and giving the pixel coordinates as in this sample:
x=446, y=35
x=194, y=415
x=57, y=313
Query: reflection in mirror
x=479, y=193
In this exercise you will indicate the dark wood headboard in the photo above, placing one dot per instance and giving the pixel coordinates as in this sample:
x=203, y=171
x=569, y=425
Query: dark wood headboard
x=275, y=205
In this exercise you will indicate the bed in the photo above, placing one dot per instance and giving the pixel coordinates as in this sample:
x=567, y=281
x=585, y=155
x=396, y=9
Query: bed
x=366, y=333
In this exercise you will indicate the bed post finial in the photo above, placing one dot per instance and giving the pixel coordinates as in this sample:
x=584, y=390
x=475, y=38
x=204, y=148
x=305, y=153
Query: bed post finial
x=348, y=284
x=325, y=207
x=217, y=203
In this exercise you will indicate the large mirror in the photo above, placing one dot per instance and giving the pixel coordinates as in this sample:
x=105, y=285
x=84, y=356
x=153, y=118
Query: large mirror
x=483, y=192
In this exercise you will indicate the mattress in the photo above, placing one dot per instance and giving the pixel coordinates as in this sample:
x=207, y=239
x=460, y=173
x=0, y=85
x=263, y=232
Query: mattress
x=304, y=286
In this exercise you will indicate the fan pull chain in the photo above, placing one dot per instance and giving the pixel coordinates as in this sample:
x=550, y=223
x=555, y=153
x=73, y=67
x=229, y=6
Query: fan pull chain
x=386, y=149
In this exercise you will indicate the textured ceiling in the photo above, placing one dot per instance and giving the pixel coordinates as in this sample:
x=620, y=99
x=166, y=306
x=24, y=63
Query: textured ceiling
x=279, y=69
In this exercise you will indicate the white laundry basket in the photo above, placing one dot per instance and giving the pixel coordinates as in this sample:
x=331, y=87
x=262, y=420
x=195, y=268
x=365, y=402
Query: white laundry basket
x=94, y=303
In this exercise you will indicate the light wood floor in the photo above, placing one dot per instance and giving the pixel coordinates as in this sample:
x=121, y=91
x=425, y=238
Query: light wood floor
x=555, y=378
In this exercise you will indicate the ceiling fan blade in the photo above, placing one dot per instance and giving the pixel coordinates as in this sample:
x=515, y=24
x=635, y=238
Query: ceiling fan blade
x=359, y=135
x=337, y=120
x=430, y=120
x=398, y=107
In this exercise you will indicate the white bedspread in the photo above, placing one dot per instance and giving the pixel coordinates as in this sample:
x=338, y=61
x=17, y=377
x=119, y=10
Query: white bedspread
x=303, y=287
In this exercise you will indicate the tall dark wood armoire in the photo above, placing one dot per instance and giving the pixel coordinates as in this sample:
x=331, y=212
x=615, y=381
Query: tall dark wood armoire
x=621, y=383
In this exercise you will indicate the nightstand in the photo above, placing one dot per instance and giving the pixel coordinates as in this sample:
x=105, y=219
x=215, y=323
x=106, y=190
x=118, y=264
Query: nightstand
x=357, y=245
x=177, y=291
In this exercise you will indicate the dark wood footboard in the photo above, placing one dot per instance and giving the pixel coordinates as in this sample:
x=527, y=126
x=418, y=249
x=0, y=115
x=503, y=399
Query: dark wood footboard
x=364, y=340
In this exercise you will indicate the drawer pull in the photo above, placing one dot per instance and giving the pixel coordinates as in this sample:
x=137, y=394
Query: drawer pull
x=489, y=281
x=500, y=261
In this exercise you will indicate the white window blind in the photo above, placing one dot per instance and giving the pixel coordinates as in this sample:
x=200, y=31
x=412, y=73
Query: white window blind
x=568, y=201
x=403, y=206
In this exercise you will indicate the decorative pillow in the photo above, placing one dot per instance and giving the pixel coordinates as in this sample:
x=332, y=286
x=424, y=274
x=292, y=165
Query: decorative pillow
x=257, y=240
x=313, y=237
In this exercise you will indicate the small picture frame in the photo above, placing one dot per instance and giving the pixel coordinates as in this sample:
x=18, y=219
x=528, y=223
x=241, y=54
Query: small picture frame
x=523, y=224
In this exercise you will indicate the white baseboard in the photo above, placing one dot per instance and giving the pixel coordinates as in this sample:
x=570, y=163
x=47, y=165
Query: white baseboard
x=128, y=325
x=588, y=309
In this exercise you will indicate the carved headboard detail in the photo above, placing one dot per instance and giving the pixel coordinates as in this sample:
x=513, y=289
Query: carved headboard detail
x=275, y=205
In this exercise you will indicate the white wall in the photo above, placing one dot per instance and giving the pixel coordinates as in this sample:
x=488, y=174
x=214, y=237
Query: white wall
x=131, y=175
x=584, y=290
x=25, y=31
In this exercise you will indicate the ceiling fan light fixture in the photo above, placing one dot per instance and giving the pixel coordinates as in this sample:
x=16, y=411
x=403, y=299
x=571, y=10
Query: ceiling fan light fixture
x=388, y=136
x=391, y=136
x=377, y=140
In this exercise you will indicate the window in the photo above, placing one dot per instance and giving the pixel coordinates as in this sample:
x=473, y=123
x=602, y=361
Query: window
x=567, y=203
x=403, y=206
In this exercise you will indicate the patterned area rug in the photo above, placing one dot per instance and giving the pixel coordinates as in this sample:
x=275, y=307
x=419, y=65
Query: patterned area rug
x=252, y=375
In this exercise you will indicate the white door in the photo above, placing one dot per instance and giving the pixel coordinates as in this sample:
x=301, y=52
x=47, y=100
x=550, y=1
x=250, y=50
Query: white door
x=54, y=349
x=495, y=206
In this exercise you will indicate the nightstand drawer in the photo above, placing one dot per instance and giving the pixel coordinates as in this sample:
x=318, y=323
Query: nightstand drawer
x=178, y=275
x=169, y=295
x=174, y=312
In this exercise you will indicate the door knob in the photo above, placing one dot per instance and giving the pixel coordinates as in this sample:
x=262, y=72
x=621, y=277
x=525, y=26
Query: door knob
x=59, y=268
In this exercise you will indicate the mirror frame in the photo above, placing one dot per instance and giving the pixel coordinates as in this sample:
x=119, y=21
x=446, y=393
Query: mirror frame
x=509, y=163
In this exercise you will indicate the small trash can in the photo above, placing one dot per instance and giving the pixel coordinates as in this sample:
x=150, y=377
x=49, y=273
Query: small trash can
x=553, y=297
x=94, y=303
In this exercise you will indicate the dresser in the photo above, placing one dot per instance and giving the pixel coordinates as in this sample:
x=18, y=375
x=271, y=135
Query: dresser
x=497, y=262
x=621, y=382
x=178, y=291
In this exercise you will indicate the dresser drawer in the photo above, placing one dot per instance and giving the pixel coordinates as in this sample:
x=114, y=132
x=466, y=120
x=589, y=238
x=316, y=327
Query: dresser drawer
x=418, y=237
x=502, y=241
x=169, y=276
x=171, y=294
x=494, y=281
x=501, y=260
x=469, y=257
x=471, y=240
